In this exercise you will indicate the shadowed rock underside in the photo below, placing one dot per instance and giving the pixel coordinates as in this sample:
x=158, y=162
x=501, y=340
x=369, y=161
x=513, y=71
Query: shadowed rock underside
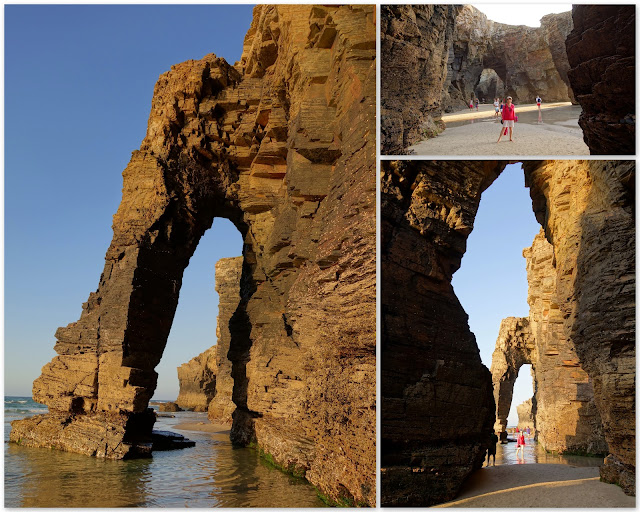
x=282, y=144
x=437, y=403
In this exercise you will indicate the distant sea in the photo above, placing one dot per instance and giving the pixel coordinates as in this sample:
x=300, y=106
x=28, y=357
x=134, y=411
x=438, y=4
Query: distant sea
x=212, y=474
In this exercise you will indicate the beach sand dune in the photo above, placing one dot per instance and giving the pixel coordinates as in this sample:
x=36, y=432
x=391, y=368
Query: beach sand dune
x=539, y=486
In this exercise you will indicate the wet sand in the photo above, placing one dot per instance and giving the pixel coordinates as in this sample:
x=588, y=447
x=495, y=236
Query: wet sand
x=471, y=133
x=539, y=486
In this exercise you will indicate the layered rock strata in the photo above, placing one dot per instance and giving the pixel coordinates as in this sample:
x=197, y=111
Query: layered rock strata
x=434, y=57
x=527, y=414
x=601, y=52
x=414, y=49
x=282, y=144
x=529, y=61
x=228, y=273
x=437, y=406
x=587, y=210
x=197, y=379
x=437, y=399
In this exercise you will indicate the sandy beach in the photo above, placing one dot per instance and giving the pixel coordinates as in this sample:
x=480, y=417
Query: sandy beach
x=558, y=135
x=539, y=486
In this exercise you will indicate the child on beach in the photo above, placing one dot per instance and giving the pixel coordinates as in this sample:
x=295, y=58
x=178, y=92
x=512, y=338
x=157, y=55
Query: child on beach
x=471, y=104
x=477, y=103
x=496, y=105
x=508, y=119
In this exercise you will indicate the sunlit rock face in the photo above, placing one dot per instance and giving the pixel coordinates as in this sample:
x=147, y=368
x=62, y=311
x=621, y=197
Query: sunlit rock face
x=197, y=380
x=566, y=417
x=437, y=397
x=283, y=144
x=433, y=58
x=587, y=210
x=529, y=61
x=601, y=52
x=527, y=414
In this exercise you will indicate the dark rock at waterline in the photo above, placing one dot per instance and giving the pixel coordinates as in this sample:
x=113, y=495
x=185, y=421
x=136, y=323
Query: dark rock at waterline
x=169, y=407
x=164, y=440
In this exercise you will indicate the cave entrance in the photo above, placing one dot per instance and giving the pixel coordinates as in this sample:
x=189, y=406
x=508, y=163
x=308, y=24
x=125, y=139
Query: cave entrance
x=489, y=86
x=194, y=324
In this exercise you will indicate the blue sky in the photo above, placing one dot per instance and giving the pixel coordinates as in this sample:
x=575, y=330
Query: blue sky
x=78, y=87
x=492, y=281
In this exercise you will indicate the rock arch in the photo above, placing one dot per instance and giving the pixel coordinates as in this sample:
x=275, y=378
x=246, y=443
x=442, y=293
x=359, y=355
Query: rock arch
x=437, y=399
x=282, y=144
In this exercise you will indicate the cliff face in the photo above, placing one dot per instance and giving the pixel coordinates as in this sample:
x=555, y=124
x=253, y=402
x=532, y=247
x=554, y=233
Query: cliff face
x=228, y=273
x=282, y=144
x=587, y=210
x=526, y=415
x=437, y=400
x=433, y=58
x=566, y=416
x=601, y=52
x=529, y=61
x=197, y=379
x=414, y=49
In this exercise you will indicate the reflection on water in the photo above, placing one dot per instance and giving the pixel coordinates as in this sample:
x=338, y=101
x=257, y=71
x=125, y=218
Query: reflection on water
x=564, y=116
x=534, y=453
x=212, y=474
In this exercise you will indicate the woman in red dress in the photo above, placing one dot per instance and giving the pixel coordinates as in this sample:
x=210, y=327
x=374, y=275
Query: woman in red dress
x=508, y=119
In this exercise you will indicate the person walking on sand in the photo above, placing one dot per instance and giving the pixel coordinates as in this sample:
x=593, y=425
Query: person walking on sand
x=528, y=433
x=508, y=119
x=520, y=445
x=471, y=104
x=493, y=441
x=477, y=103
x=538, y=101
x=496, y=106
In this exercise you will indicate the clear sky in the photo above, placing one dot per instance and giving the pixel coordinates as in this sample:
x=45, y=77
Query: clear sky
x=78, y=87
x=521, y=13
x=492, y=281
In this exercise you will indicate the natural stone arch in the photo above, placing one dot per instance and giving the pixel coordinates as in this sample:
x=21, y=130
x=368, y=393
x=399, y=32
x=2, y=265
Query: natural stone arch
x=282, y=144
x=489, y=85
x=430, y=365
x=514, y=348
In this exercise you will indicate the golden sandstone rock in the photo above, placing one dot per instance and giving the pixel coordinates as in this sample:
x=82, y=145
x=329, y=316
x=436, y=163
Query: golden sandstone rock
x=437, y=399
x=282, y=144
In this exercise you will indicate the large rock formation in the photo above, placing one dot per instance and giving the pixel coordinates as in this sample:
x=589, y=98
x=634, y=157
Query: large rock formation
x=587, y=210
x=414, y=49
x=437, y=401
x=601, y=52
x=282, y=144
x=567, y=419
x=529, y=61
x=197, y=379
x=527, y=414
x=433, y=58
x=228, y=273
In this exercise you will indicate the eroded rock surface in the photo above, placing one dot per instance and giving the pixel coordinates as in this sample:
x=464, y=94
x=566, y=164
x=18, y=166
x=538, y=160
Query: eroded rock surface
x=197, y=379
x=414, y=49
x=437, y=400
x=526, y=415
x=601, y=52
x=282, y=144
x=228, y=273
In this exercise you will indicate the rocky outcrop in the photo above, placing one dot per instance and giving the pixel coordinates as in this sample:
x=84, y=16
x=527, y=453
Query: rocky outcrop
x=587, y=210
x=437, y=400
x=169, y=407
x=527, y=415
x=529, y=61
x=436, y=397
x=228, y=273
x=433, y=58
x=601, y=52
x=282, y=144
x=414, y=49
x=197, y=379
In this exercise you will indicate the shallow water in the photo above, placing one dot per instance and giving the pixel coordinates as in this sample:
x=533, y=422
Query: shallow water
x=534, y=453
x=560, y=116
x=212, y=474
